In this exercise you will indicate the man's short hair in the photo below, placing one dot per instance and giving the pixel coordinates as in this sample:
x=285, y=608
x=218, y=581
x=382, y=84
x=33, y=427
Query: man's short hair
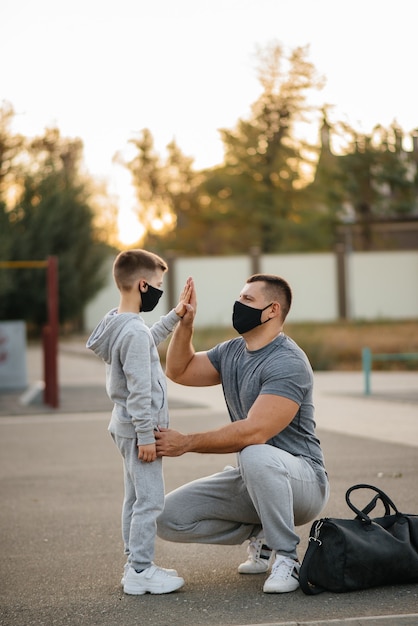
x=275, y=288
x=131, y=265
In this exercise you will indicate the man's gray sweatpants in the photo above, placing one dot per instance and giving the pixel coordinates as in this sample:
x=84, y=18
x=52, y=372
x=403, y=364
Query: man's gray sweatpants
x=270, y=489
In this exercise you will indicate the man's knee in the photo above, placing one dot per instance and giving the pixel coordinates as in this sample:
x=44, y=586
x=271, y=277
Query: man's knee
x=165, y=527
x=260, y=462
x=257, y=457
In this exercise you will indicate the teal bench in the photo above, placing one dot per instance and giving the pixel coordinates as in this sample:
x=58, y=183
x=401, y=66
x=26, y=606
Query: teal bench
x=367, y=358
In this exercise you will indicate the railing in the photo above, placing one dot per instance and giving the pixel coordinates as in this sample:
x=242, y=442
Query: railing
x=367, y=359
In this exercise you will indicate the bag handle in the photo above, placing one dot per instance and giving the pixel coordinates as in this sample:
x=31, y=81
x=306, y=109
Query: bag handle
x=314, y=542
x=381, y=495
x=372, y=504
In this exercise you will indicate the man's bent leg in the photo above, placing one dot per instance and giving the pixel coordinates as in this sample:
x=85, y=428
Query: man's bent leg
x=216, y=509
x=285, y=491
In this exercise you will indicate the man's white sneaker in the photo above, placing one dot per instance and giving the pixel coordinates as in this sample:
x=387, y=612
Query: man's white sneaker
x=152, y=580
x=172, y=572
x=125, y=571
x=284, y=576
x=259, y=557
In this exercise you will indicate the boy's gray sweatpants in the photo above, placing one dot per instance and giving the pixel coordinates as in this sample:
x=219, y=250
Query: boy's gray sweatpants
x=143, y=502
x=270, y=489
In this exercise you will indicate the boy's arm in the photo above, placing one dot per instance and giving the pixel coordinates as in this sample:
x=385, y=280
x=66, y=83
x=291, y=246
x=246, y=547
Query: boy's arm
x=164, y=327
x=135, y=356
x=166, y=324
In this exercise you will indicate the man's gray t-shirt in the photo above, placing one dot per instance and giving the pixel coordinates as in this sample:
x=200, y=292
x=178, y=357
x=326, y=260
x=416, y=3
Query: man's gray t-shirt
x=280, y=368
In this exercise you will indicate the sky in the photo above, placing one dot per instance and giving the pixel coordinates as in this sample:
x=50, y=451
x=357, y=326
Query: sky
x=103, y=70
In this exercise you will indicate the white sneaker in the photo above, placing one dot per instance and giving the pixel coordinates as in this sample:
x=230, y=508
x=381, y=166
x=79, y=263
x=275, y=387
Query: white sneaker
x=125, y=571
x=152, y=580
x=259, y=559
x=284, y=576
x=171, y=572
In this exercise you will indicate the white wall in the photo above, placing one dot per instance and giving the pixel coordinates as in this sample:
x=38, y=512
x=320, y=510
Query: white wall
x=381, y=285
x=106, y=299
x=384, y=285
x=218, y=283
x=313, y=280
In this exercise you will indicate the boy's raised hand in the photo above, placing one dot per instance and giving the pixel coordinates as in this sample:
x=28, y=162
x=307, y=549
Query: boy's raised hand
x=187, y=298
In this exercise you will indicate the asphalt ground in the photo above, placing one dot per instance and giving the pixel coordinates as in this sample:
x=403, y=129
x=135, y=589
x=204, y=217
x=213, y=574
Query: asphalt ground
x=61, y=493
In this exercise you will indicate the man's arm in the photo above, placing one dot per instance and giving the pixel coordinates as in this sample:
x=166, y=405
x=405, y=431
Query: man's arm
x=268, y=416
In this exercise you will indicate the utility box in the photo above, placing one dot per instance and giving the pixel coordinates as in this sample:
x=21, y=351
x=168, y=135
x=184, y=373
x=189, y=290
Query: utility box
x=13, y=350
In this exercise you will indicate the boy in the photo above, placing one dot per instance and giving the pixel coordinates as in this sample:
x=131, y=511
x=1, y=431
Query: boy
x=136, y=383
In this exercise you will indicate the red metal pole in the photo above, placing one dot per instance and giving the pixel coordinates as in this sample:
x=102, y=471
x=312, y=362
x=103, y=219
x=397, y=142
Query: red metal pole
x=50, y=336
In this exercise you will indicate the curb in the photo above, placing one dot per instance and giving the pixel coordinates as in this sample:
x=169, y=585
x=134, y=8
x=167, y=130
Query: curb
x=410, y=619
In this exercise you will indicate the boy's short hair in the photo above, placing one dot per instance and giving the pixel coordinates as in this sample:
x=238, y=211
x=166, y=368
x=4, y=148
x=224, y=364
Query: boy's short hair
x=276, y=288
x=131, y=265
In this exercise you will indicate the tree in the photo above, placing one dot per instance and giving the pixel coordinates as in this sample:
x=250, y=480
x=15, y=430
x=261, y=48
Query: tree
x=394, y=175
x=147, y=177
x=52, y=216
x=10, y=149
x=167, y=193
x=376, y=178
x=274, y=190
x=256, y=193
x=265, y=161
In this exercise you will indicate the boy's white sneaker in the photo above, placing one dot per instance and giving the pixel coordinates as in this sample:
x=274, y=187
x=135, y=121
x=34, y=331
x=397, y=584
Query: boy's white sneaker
x=152, y=580
x=172, y=572
x=259, y=559
x=284, y=576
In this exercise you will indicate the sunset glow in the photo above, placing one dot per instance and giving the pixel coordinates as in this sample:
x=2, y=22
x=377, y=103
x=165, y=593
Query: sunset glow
x=175, y=82
x=130, y=229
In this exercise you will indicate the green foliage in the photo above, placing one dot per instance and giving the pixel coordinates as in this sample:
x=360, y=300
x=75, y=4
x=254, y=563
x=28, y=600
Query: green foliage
x=168, y=197
x=10, y=149
x=264, y=160
x=376, y=176
x=51, y=216
x=272, y=191
x=254, y=198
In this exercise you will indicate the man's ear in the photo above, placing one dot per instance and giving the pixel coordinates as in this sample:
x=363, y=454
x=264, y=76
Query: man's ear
x=142, y=285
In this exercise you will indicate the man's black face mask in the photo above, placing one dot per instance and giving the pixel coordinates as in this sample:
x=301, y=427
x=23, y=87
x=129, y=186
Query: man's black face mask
x=245, y=318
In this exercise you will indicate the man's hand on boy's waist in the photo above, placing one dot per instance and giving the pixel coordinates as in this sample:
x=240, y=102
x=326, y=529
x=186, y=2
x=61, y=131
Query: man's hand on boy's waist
x=169, y=442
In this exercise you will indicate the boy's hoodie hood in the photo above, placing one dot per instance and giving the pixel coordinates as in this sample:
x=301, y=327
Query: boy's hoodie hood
x=107, y=332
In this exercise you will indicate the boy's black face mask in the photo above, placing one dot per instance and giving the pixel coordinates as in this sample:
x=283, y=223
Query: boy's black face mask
x=150, y=298
x=245, y=318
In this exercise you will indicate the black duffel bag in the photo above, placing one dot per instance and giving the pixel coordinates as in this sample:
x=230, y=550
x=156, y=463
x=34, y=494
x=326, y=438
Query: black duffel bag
x=352, y=554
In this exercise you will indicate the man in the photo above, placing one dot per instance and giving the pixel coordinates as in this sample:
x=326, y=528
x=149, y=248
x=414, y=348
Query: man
x=280, y=481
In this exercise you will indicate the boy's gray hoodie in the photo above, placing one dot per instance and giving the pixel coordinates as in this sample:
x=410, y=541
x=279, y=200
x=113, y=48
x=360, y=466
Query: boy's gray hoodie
x=135, y=381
